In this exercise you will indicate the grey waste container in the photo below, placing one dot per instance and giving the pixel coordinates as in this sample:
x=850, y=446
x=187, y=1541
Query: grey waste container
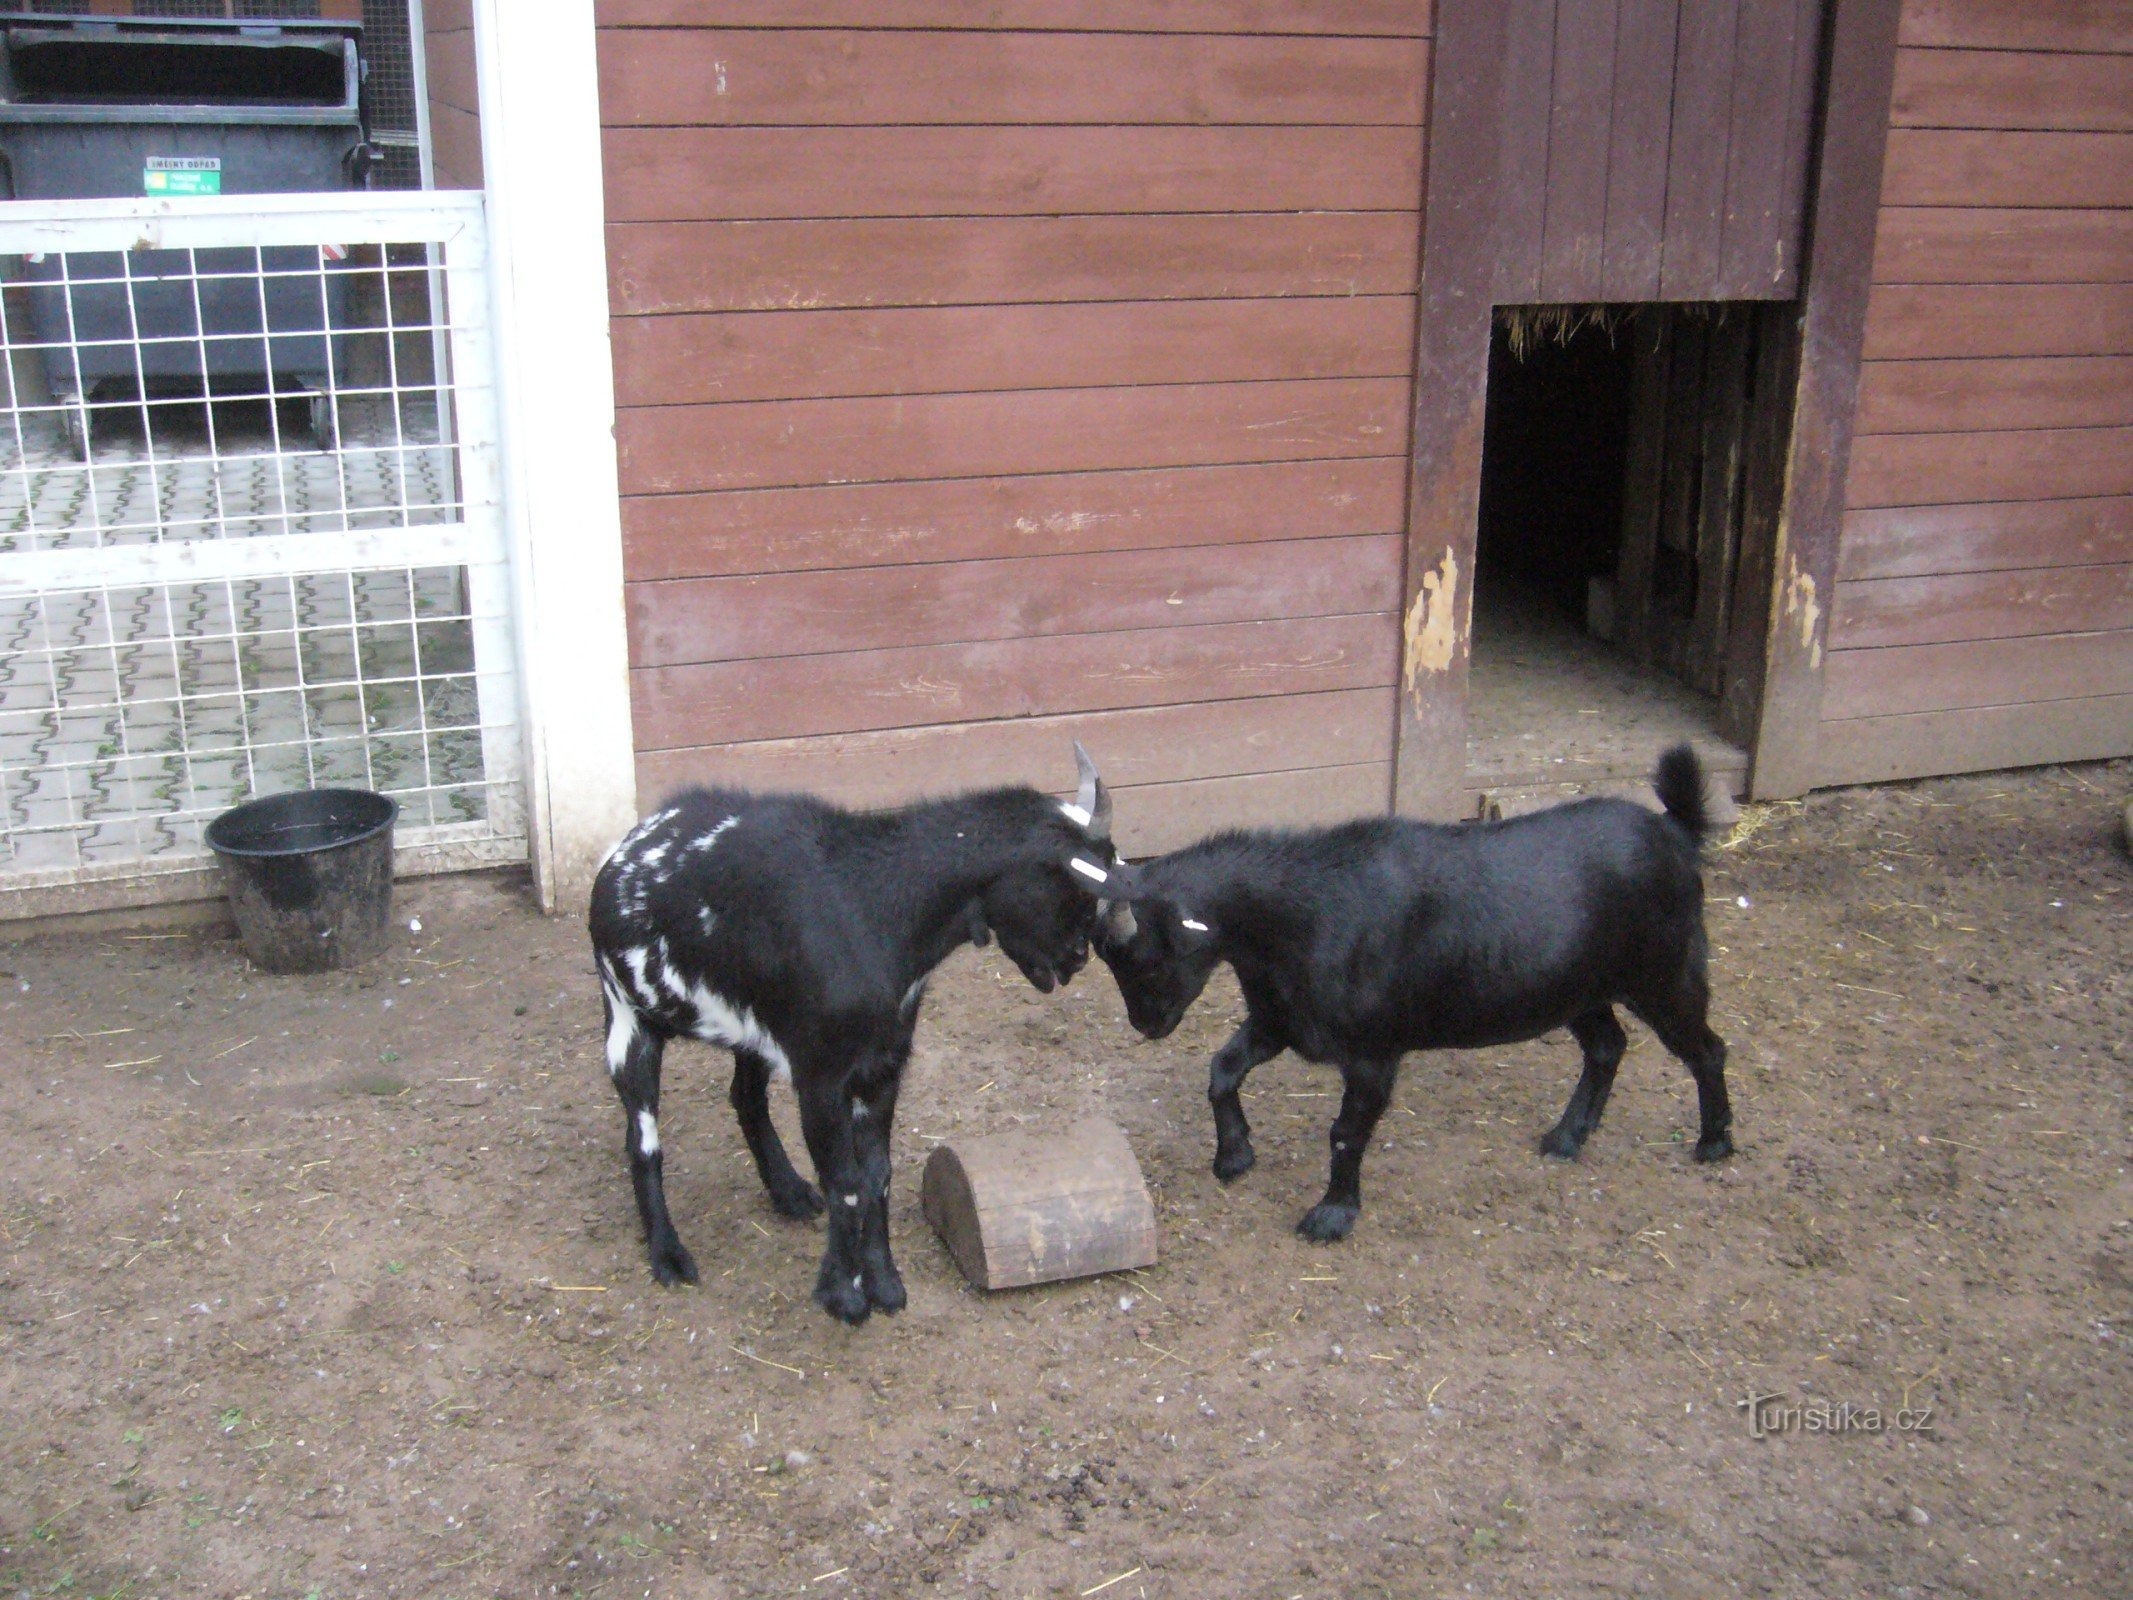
x=107, y=108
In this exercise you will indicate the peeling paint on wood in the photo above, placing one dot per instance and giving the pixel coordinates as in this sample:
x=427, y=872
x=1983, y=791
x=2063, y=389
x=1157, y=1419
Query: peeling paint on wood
x=1803, y=608
x=1432, y=627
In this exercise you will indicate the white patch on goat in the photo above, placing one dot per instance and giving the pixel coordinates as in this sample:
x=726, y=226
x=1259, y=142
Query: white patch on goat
x=647, y=1133
x=669, y=979
x=641, y=989
x=704, y=841
x=723, y=1023
x=1187, y=922
x=621, y=1031
x=704, y=916
x=1089, y=870
x=912, y=996
x=1074, y=814
x=645, y=829
x=654, y=854
x=851, y=1199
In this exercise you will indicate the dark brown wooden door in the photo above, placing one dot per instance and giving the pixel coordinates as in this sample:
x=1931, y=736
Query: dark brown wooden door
x=1650, y=149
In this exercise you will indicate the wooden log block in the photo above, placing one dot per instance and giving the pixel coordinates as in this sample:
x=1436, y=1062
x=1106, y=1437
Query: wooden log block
x=1029, y=1207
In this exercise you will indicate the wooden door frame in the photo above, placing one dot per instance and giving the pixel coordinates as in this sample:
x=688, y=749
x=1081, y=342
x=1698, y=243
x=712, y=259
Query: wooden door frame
x=1838, y=275
x=1455, y=311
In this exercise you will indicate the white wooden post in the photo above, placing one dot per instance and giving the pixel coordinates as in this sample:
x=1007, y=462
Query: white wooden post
x=540, y=140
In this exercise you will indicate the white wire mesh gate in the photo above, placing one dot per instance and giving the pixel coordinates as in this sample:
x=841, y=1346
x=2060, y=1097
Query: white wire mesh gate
x=250, y=531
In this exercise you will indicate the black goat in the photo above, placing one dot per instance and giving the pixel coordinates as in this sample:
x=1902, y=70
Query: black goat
x=1358, y=943
x=800, y=935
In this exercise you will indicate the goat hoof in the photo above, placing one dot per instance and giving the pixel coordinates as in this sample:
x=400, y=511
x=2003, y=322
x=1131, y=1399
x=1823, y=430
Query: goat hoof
x=802, y=1202
x=1716, y=1148
x=1230, y=1165
x=886, y=1291
x=1325, y=1222
x=672, y=1265
x=1560, y=1144
x=844, y=1300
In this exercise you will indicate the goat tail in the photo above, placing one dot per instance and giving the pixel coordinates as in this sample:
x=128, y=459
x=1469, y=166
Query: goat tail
x=1679, y=783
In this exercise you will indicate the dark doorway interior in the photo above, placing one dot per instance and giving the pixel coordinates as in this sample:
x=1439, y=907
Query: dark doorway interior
x=1631, y=475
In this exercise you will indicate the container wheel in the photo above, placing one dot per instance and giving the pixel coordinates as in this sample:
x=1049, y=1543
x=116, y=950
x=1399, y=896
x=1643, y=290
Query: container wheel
x=322, y=419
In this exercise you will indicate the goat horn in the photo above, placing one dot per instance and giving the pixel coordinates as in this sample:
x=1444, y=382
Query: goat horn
x=1093, y=798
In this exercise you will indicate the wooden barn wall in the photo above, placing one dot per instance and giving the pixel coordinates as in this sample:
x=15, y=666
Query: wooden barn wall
x=454, y=93
x=1983, y=613
x=991, y=376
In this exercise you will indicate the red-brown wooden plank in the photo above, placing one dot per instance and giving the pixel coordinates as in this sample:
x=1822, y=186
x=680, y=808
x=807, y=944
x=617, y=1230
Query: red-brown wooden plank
x=1758, y=241
x=1145, y=745
x=1383, y=18
x=1977, y=672
x=691, y=174
x=961, y=602
x=876, y=524
x=1953, y=167
x=1697, y=150
x=1636, y=157
x=799, y=695
x=2012, y=89
x=1979, y=739
x=1981, y=605
x=903, y=261
x=671, y=449
x=1958, y=244
x=1521, y=199
x=1921, y=469
x=1151, y=818
x=785, y=355
x=1918, y=541
x=2081, y=25
x=742, y=77
x=1171, y=815
x=2077, y=319
x=2022, y=392
x=1575, y=227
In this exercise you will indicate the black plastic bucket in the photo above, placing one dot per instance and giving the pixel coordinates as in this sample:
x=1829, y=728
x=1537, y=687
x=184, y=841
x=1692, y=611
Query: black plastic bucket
x=310, y=876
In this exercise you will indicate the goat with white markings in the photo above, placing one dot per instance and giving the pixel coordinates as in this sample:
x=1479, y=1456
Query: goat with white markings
x=1356, y=944
x=799, y=935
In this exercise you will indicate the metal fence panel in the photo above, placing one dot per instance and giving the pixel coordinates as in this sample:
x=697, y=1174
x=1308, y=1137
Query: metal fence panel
x=251, y=535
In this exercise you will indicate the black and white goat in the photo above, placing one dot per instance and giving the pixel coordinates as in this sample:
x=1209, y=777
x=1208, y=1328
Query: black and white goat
x=1358, y=943
x=799, y=935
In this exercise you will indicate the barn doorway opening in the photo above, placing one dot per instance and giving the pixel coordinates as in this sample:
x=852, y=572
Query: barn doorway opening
x=1632, y=472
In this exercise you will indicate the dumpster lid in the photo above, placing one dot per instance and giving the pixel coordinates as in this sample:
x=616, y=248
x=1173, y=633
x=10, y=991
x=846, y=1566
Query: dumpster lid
x=173, y=70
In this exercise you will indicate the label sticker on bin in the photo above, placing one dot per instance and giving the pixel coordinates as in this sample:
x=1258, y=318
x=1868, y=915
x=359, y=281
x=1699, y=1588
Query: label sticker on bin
x=182, y=175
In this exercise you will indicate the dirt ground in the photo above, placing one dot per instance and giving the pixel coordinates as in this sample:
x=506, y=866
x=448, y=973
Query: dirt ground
x=325, y=1287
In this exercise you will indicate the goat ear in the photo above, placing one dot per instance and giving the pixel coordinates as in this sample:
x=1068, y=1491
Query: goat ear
x=1092, y=799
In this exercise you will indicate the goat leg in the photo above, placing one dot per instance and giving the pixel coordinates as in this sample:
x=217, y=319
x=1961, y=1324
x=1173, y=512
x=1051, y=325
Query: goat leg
x=1368, y=1086
x=1679, y=1022
x=1247, y=1048
x=826, y=1120
x=634, y=1052
x=873, y=1112
x=1603, y=1041
x=792, y=1195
